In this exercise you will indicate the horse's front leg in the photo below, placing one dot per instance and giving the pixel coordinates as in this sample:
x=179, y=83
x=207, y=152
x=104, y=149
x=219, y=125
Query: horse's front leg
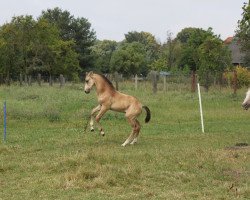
x=103, y=110
x=96, y=109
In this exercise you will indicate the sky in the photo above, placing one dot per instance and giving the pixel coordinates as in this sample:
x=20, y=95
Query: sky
x=111, y=19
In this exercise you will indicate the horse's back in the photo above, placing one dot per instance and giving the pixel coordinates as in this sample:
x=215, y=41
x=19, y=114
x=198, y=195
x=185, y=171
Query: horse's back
x=122, y=102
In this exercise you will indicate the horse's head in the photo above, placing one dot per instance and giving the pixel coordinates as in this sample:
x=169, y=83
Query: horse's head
x=89, y=82
x=246, y=102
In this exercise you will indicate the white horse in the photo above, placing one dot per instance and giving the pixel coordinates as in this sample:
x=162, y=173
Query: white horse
x=246, y=102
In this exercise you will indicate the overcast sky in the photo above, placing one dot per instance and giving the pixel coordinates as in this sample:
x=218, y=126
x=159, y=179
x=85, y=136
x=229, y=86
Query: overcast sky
x=111, y=19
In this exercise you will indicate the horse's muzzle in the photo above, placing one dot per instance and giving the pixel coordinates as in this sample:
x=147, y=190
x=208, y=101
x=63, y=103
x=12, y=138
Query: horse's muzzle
x=86, y=91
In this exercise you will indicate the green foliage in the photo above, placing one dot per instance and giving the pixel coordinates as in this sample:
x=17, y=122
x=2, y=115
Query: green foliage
x=129, y=58
x=171, y=52
x=214, y=57
x=243, y=76
x=28, y=46
x=194, y=38
x=149, y=43
x=76, y=29
x=58, y=43
x=102, y=52
x=184, y=35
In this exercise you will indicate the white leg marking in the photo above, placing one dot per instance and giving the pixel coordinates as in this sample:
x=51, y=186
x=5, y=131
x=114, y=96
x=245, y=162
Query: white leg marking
x=125, y=143
x=134, y=141
x=102, y=133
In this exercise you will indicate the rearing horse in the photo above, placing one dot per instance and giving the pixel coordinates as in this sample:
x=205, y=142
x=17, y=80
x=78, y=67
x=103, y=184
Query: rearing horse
x=110, y=99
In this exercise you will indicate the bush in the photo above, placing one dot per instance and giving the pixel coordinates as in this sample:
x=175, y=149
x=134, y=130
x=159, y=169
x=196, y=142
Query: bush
x=243, y=77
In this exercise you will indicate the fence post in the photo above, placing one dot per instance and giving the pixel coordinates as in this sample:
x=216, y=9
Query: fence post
x=154, y=81
x=29, y=80
x=25, y=79
x=164, y=83
x=62, y=80
x=21, y=79
x=4, y=121
x=8, y=79
x=136, y=82
x=201, y=113
x=50, y=80
x=116, y=80
x=1, y=79
x=235, y=82
x=193, y=82
x=39, y=77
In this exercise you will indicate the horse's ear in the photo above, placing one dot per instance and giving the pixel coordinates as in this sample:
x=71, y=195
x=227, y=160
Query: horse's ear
x=91, y=73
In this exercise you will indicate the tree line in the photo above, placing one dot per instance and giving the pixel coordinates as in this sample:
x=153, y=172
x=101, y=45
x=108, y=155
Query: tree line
x=58, y=43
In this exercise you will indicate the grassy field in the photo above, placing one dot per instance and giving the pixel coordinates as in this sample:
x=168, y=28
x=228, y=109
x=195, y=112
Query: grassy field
x=49, y=156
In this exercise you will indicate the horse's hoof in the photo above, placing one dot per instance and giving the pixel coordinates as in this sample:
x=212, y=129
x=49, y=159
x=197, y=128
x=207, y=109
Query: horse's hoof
x=92, y=129
x=102, y=133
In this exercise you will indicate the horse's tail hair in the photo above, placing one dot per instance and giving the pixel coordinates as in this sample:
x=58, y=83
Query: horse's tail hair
x=148, y=116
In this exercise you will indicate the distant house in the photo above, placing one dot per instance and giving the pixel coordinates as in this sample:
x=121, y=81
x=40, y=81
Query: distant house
x=234, y=46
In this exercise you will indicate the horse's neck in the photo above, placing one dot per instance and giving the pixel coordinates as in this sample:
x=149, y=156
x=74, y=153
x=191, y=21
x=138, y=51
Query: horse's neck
x=101, y=86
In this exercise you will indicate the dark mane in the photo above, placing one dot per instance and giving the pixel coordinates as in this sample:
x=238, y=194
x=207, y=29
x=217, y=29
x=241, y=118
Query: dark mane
x=108, y=81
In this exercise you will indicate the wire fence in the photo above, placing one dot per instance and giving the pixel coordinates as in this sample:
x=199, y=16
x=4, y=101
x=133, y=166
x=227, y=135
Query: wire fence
x=154, y=80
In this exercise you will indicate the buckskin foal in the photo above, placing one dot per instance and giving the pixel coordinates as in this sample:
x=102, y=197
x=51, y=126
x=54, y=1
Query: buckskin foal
x=110, y=99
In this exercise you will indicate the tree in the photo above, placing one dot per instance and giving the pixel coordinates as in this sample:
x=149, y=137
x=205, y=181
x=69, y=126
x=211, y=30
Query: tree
x=24, y=27
x=77, y=29
x=214, y=57
x=129, y=58
x=184, y=35
x=243, y=32
x=148, y=41
x=52, y=54
x=102, y=52
x=9, y=52
x=194, y=38
x=170, y=52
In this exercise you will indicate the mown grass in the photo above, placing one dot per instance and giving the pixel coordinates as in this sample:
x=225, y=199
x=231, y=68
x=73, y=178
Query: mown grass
x=49, y=156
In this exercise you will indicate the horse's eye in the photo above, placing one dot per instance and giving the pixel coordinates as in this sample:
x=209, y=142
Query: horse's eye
x=87, y=81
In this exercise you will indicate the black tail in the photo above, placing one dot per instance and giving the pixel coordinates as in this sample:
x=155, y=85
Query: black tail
x=148, y=114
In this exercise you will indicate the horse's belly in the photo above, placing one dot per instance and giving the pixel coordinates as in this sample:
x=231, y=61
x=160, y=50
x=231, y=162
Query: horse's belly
x=120, y=107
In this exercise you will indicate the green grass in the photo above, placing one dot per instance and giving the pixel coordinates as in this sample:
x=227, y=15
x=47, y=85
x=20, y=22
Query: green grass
x=49, y=156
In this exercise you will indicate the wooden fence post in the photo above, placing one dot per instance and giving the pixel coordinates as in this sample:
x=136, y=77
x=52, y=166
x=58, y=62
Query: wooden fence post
x=21, y=79
x=164, y=83
x=25, y=79
x=235, y=82
x=8, y=79
x=154, y=81
x=62, y=80
x=116, y=76
x=1, y=79
x=136, y=82
x=193, y=82
x=39, y=77
x=29, y=80
x=50, y=80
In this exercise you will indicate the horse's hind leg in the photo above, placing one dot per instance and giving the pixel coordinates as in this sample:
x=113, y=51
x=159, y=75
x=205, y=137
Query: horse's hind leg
x=131, y=137
x=137, y=129
x=96, y=109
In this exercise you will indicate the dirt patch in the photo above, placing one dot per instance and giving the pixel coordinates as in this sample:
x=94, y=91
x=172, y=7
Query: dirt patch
x=238, y=146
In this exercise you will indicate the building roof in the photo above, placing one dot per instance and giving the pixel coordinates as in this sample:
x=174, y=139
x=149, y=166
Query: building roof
x=234, y=46
x=228, y=40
